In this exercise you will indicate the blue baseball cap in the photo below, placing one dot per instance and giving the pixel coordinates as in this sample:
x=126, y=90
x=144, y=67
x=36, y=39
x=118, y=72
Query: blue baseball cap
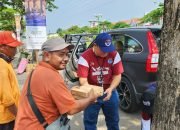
x=104, y=41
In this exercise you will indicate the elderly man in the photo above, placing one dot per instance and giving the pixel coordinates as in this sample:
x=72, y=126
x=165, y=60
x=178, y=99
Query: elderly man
x=9, y=89
x=48, y=90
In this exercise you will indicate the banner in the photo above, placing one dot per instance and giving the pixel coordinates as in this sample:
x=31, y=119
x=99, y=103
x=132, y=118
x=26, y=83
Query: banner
x=35, y=23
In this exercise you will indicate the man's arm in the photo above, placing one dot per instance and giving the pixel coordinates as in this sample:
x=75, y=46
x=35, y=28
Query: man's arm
x=115, y=82
x=83, y=103
x=83, y=81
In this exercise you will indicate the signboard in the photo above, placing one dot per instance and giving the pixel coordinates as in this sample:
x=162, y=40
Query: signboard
x=35, y=23
x=35, y=36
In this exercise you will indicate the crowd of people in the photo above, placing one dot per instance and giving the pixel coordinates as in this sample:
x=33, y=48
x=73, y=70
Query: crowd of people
x=45, y=98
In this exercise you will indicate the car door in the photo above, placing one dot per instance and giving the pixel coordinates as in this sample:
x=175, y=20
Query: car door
x=83, y=42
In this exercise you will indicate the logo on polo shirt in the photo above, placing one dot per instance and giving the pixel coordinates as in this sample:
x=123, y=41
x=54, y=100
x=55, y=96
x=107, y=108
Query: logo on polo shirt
x=110, y=61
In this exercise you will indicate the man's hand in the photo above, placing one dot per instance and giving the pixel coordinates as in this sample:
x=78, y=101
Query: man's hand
x=108, y=93
x=93, y=96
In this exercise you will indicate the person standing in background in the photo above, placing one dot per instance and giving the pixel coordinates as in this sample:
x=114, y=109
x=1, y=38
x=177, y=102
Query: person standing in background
x=119, y=47
x=101, y=65
x=147, y=99
x=9, y=88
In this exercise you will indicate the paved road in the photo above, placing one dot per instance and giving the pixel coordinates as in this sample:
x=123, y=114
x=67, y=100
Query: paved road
x=127, y=121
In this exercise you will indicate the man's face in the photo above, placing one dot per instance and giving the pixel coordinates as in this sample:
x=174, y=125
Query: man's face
x=99, y=52
x=9, y=51
x=58, y=59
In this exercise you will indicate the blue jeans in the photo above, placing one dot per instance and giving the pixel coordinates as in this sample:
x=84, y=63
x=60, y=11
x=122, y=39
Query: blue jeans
x=110, y=110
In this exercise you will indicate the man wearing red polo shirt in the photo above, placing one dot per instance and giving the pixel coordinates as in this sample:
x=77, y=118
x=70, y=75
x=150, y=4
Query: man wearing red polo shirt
x=101, y=65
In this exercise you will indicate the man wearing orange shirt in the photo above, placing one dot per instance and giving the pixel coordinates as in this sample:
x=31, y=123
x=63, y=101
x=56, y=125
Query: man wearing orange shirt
x=9, y=88
x=48, y=89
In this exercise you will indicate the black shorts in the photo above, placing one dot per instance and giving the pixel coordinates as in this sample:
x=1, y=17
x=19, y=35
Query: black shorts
x=148, y=100
x=7, y=126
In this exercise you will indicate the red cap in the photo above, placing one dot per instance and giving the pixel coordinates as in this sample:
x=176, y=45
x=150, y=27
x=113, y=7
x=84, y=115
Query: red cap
x=9, y=38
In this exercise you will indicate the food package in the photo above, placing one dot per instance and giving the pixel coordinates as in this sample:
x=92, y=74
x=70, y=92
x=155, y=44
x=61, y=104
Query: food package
x=80, y=92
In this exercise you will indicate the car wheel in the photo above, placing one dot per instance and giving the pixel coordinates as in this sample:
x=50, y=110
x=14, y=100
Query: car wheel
x=127, y=96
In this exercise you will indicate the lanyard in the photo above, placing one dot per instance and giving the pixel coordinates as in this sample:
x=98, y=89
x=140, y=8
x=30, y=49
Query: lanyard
x=101, y=69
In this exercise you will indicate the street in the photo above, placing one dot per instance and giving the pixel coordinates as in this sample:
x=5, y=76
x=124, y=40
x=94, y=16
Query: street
x=128, y=121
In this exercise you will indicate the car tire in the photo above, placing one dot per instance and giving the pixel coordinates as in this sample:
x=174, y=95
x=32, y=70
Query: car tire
x=127, y=96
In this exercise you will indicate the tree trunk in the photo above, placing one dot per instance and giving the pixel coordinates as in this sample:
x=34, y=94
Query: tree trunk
x=167, y=104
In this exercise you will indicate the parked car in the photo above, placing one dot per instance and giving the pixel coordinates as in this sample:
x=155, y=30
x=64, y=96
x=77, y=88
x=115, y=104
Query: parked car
x=139, y=56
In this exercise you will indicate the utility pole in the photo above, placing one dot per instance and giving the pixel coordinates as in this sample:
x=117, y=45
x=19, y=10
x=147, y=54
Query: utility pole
x=18, y=25
x=98, y=16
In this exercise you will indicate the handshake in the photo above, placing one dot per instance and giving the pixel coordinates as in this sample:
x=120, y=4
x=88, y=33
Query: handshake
x=80, y=92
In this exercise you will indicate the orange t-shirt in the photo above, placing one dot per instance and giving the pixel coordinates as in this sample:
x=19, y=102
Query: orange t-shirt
x=50, y=94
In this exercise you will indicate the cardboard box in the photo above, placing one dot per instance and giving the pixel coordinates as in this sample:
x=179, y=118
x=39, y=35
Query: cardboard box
x=97, y=89
x=80, y=92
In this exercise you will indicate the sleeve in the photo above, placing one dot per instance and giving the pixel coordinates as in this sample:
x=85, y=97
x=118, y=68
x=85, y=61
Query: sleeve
x=117, y=65
x=83, y=67
x=6, y=97
x=62, y=97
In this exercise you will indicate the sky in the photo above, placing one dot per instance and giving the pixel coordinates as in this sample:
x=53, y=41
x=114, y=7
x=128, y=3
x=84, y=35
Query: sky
x=80, y=12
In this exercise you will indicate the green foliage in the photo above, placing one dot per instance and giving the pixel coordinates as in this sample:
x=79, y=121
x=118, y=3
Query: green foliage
x=18, y=5
x=59, y=30
x=84, y=29
x=154, y=15
x=105, y=25
x=120, y=25
x=93, y=30
x=50, y=5
x=7, y=20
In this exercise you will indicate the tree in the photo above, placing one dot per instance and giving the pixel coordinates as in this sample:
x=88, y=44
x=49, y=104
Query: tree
x=59, y=30
x=105, y=25
x=7, y=21
x=84, y=29
x=73, y=30
x=167, y=104
x=154, y=16
x=120, y=25
x=19, y=7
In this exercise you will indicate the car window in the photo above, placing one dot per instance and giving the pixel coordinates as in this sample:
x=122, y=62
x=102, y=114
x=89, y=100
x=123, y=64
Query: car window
x=124, y=43
x=118, y=41
x=71, y=39
x=87, y=40
x=84, y=42
x=131, y=45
